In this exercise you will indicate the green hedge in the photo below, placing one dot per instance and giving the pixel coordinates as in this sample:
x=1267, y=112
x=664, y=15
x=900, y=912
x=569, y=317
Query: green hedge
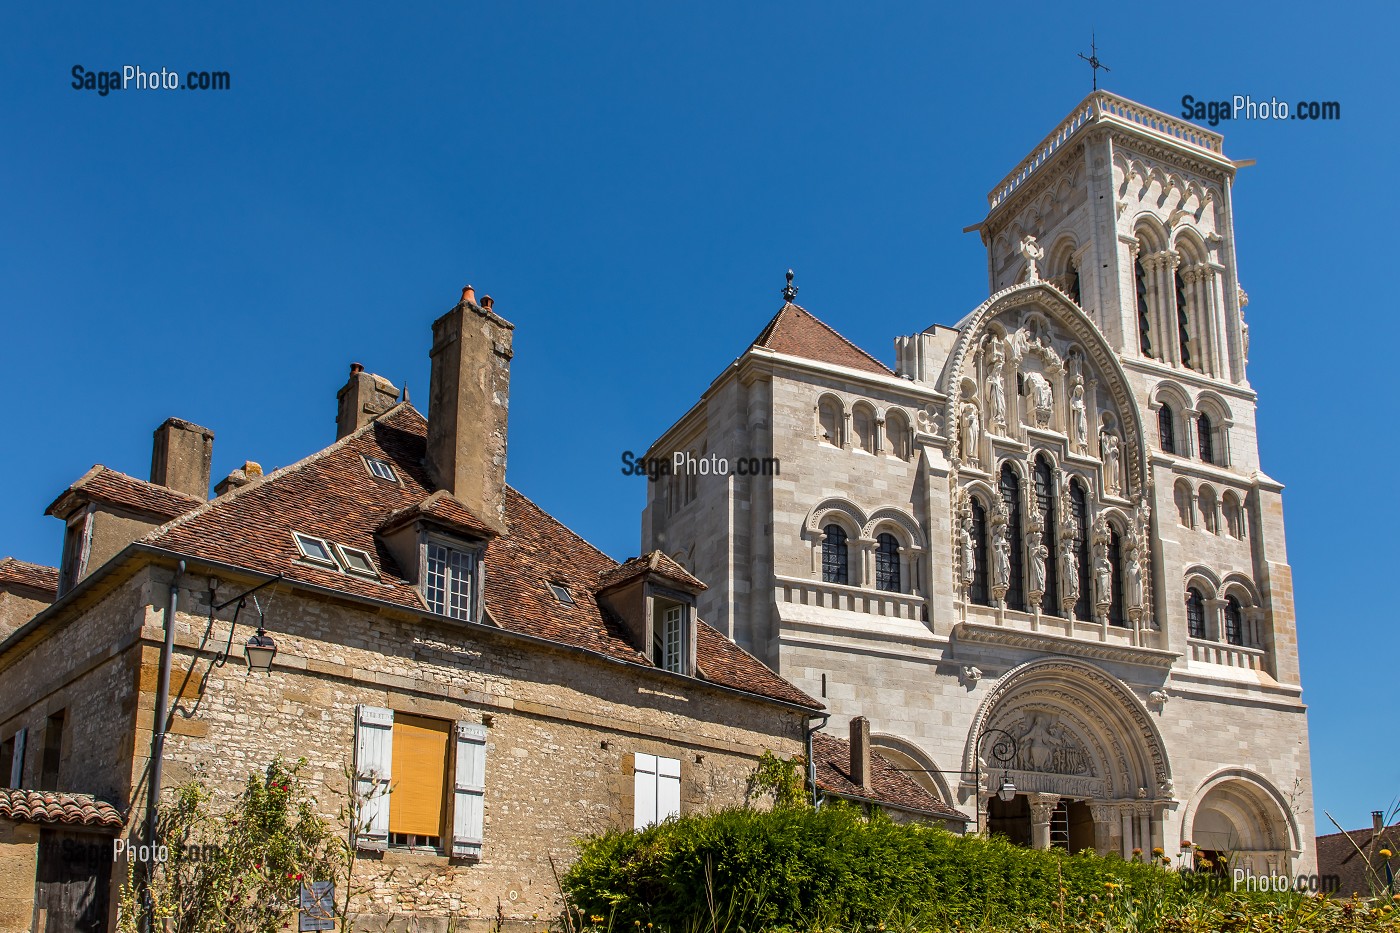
x=804, y=869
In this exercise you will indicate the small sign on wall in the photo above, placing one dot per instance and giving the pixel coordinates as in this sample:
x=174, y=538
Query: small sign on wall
x=317, y=906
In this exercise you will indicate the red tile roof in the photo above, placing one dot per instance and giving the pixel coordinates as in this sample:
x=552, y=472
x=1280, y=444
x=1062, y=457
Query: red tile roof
x=331, y=495
x=444, y=509
x=888, y=785
x=34, y=576
x=797, y=332
x=33, y=806
x=112, y=488
x=656, y=563
x=1357, y=872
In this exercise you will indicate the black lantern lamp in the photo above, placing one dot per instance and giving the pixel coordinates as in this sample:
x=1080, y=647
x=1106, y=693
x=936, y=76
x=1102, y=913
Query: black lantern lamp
x=260, y=649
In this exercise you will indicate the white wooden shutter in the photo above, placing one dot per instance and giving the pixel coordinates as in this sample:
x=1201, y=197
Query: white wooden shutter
x=374, y=756
x=668, y=788
x=17, y=764
x=469, y=791
x=644, y=791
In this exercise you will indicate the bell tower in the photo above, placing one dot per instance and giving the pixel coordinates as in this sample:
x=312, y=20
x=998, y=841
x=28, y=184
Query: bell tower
x=1127, y=210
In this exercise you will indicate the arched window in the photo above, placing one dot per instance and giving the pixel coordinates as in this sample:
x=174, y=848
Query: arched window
x=1045, y=500
x=1166, y=429
x=830, y=420
x=979, y=592
x=1183, y=330
x=1205, y=442
x=897, y=434
x=1079, y=505
x=1144, y=319
x=887, y=563
x=1116, y=616
x=1205, y=500
x=1011, y=498
x=1195, y=614
x=1181, y=495
x=863, y=427
x=835, y=565
x=1234, y=621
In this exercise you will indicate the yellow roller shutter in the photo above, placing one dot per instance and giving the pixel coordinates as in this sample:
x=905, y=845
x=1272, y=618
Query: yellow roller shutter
x=420, y=775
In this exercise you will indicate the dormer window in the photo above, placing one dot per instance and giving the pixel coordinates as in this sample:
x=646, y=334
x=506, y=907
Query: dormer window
x=669, y=627
x=315, y=550
x=357, y=562
x=449, y=580
x=381, y=469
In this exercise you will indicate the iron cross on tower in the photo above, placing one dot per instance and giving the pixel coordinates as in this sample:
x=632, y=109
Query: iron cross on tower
x=1093, y=59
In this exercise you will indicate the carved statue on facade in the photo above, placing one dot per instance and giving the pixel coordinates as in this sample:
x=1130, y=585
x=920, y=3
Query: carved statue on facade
x=1001, y=554
x=1033, y=253
x=1103, y=572
x=969, y=551
x=1042, y=398
x=971, y=424
x=1079, y=419
x=1133, y=573
x=1038, y=554
x=1108, y=446
x=996, y=385
x=1069, y=573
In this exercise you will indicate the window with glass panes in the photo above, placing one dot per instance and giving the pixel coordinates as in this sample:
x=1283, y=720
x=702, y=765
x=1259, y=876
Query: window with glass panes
x=1045, y=500
x=1234, y=621
x=1011, y=497
x=979, y=592
x=669, y=642
x=834, y=555
x=887, y=563
x=447, y=583
x=1195, y=614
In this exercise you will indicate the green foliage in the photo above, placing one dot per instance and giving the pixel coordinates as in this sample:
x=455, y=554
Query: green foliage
x=241, y=869
x=834, y=870
x=781, y=779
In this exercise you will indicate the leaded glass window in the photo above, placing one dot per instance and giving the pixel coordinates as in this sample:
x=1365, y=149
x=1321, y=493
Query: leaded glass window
x=1166, y=429
x=1045, y=500
x=1079, y=504
x=887, y=563
x=1195, y=614
x=1234, y=621
x=1204, y=441
x=448, y=581
x=835, y=566
x=1011, y=497
x=979, y=592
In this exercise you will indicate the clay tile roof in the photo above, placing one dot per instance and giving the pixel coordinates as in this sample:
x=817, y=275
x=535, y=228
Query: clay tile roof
x=888, y=785
x=112, y=488
x=1356, y=872
x=797, y=332
x=35, y=576
x=656, y=563
x=444, y=509
x=331, y=495
x=33, y=806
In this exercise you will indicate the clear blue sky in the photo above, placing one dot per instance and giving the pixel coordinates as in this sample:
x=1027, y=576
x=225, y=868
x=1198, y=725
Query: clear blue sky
x=630, y=183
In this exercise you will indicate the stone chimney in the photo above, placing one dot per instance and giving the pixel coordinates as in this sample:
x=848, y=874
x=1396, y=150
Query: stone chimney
x=468, y=404
x=364, y=398
x=860, y=752
x=181, y=457
x=1377, y=822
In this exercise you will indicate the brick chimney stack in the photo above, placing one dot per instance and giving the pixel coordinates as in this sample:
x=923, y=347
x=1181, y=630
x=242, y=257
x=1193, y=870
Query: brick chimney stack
x=860, y=752
x=1377, y=821
x=182, y=457
x=468, y=405
x=363, y=398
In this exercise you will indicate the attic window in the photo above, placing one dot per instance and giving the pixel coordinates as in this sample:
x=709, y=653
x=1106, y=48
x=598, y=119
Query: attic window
x=357, y=562
x=382, y=469
x=561, y=593
x=316, y=550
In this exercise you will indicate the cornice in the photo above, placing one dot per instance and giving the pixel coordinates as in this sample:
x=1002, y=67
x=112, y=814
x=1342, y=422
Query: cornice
x=1046, y=643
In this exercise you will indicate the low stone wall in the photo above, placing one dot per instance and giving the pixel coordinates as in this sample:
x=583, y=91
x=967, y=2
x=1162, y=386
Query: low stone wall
x=19, y=854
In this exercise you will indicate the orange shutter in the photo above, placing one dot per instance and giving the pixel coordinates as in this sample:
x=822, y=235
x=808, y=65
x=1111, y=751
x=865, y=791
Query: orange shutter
x=420, y=775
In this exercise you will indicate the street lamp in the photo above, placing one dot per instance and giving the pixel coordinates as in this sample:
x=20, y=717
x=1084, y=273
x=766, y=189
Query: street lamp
x=260, y=649
x=1003, y=750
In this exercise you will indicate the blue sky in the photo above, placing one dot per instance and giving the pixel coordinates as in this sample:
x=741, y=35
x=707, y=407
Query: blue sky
x=630, y=181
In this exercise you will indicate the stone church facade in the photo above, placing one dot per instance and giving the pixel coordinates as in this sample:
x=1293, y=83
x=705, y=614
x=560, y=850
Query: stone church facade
x=1042, y=550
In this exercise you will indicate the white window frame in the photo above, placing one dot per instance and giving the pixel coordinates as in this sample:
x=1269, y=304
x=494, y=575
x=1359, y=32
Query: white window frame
x=372, y=462
x=656, y=789
x=472, y=574
x=673, y=638
x=343, y=553
x=469, y=792
x=561, y=593
x=300, y=537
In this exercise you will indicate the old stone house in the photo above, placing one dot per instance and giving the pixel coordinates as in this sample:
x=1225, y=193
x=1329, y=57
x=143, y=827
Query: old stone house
x=437, y=636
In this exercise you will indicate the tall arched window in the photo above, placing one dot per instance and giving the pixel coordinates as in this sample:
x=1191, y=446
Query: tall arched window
x=1116, y=616
x=1234, y=621
x=835, y=565
x=1166, y=429
x=1011, y=497
x=979, y=592
x=1045, y=500
x=897, y=433
x=1183, y=329
x=887, y=563
x=863, y=427
x=1195, y=614
x=829, y=418
x=1205, y=442
x=1144, y=319
x=1079, y=504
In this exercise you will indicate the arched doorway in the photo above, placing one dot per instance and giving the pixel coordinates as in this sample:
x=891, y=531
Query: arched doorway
x=1087, y=763
x=1238, y=821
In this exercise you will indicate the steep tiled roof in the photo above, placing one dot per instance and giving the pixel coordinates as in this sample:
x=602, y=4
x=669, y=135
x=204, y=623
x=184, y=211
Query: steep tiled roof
x=656, y=562
x=444, y=509
x=1357, y=873
x=331, y=495
x=797, y=332
x=33, y=806
x=35, y=576
x=888, y=785
x=112, y=488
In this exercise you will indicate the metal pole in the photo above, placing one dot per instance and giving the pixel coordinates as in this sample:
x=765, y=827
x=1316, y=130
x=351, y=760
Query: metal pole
x=158, y=723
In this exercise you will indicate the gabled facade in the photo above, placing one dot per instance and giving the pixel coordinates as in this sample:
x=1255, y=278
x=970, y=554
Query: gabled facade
x=497, y=686
x=1048, y=523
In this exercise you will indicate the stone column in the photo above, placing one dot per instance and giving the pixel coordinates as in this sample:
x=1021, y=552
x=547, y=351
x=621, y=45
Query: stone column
x=1215, y=619
x=1125, y=818
x=1042, y=807
x=1144, y=829
x=1157, y=831
x=820, y=538
x=865, y=563
x=1103, y=827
